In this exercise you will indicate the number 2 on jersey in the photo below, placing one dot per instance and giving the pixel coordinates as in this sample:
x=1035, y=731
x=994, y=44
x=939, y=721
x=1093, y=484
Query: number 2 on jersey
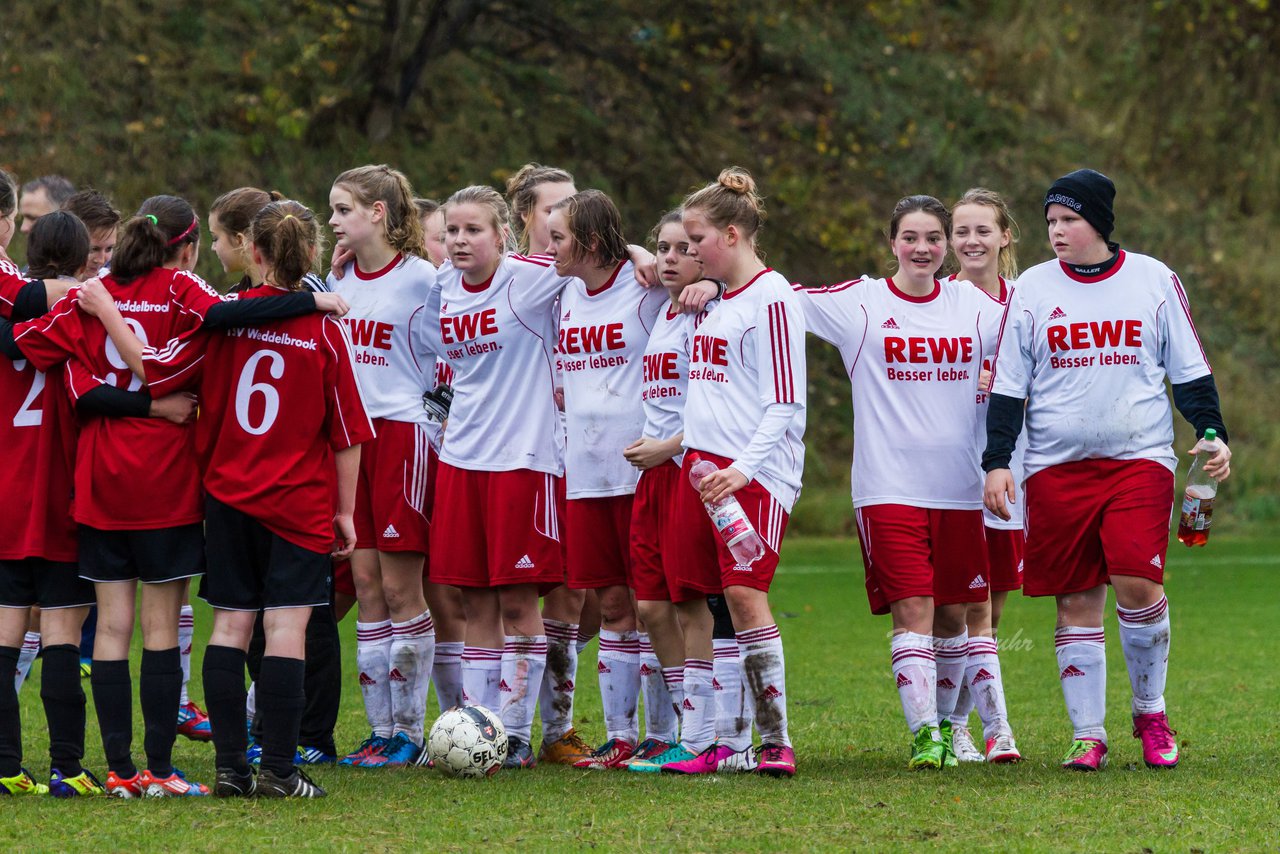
x=246, y=388
x=29, y=415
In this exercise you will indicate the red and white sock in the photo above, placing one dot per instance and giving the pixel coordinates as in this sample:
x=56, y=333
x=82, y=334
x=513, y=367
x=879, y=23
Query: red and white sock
x=986, y=685
x=733, y=713
x=446, y=673
x=1082, y=669
x=698, y=709
x=660, y=719
x=413, y=646
x=373, y=660
x=619, y=670
x=555, y=699
x=1144, y=635
x=764, y=672
x=26, y=656
x=524, y=658
x=915, y=671
x=481, y=672
x=950, y=657
x=584, y=638
x=186, y=631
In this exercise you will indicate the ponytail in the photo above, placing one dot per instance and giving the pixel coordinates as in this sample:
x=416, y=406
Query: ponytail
x=154, y=236
x=288, y=236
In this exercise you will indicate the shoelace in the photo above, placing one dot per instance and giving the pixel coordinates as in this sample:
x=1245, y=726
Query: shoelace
x=1159, y=726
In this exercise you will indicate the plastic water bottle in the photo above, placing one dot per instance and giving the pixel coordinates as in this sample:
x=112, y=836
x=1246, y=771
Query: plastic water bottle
x=1197, y=501
x=729, y=518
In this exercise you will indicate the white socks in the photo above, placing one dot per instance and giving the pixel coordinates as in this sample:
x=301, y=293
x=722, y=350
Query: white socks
x=985, y=686
x=481, y=671
x=412, y=649
x=660, y=718
x=186, y=630
x=446, y=673
x=555, y=699
x=1082, y=668
x=373, y=660
x=1144, y=635
x=916, y=673
x=765, y=682
x=698, y=708
x=26, y=657
x=524, y=658
x=733, y=713
x=619, y=670
x=950, y=656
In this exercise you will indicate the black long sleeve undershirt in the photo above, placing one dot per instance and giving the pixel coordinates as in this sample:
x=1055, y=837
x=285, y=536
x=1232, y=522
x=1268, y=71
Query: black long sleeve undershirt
x=114, y=402
x=7, y=345
x=1198, y=403
x=32, y=301
x=260, y=310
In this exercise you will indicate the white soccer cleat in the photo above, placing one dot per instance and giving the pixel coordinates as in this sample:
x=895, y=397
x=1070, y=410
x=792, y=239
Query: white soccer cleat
x=1001, y=750
x=962, y=745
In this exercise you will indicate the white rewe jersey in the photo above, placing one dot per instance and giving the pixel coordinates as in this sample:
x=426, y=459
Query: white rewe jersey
x=666, y=373
x=748, y=354
x=392, y=363
x=499, y=340
x=913, y=363
x=1090, y=355
x=602, y=339
x=989, y=324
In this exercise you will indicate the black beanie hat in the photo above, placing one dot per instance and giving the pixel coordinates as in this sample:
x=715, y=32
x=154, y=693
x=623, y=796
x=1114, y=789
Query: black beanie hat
x=1090, y=194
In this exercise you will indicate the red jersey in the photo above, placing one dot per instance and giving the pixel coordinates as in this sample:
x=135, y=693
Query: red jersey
x=275, y=400
x=131, y=473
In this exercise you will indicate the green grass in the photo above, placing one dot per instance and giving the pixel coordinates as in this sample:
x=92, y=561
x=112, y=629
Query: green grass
x=853, y=790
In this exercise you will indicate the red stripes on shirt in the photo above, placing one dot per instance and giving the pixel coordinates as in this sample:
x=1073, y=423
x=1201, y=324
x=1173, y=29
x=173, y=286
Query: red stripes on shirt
x=784, y=388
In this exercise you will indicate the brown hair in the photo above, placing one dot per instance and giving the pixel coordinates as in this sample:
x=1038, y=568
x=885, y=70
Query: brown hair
x=731, y=200
x=237, y=208
x=675, y=215
x=596, y=227
x=522, y=192
x=57, y=246
x=921, y=204
x=8, y=194
x=499, y=212
x=154, y=236
x=288, y=236
x=401, y=226
x=425, y=207
x=1007, y=263
x=94, y=210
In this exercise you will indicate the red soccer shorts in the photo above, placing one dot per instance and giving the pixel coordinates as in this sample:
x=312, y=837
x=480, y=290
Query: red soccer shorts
x=701, y=560
x=1091, y=519
x=598, y=531
x=342, y=581
x=1005, y=549
x=921, y=551
x=494, y=528
x=392, y=490
x=651, y=536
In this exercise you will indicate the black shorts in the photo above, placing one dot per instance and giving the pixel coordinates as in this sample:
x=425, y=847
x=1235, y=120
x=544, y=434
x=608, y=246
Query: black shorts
x=152, y=556
x=252, y=569
x=50, y=584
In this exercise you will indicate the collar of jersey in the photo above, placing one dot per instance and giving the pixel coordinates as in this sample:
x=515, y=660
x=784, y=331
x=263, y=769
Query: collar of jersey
x=1101, y=277
x=929, y=297
x=732, y=294
x=483, y=286
x=608, y=284
x=377, y=274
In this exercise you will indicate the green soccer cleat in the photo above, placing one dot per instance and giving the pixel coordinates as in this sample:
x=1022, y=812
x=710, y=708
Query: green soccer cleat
x=927, y=749
x=949, y=760
x=22, y=783
x=677, y=753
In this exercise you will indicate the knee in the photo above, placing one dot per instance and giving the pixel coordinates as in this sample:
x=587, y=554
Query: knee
x=615, y=605
x=949, y=620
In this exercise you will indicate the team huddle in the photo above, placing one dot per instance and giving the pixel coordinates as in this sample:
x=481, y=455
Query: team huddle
x=497, y=429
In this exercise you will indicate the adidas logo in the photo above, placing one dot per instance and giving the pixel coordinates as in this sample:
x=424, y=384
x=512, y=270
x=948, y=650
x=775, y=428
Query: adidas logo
x=503, y=687
x=770, y=693
x=566, y=316
x=366, y=679
x=187, y=651
x=715, y=684
x=978, y=583
x=890, y=324
x=1155, y=561
x=945, y=682
x=601, y=667
x=1056, y=314
x=390, y=533
x=741, y=567
x=981, y=676
x=1069, y=671
x=565, y=687
x=396, y=676
x=524, y=563
x=687, y=706
x=903, y=680
x=646, y=670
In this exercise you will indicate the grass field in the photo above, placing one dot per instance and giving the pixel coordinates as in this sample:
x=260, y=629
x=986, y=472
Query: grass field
x=852, y=791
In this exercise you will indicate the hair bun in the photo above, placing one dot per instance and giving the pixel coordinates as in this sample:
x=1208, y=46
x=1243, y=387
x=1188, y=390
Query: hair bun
x=738, y=180
x=277, y=196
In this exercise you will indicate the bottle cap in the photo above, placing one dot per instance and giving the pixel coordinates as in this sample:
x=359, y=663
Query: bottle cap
x=1211, y=435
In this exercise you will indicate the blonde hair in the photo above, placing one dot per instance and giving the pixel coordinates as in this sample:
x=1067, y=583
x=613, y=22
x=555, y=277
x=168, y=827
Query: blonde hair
x=1007, y=261
x=522, y=192
x=401, y=226
x=499, y=211
x=731, y=200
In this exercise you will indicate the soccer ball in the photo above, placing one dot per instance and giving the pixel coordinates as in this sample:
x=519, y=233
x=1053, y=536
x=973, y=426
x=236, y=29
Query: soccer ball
x=468, y=741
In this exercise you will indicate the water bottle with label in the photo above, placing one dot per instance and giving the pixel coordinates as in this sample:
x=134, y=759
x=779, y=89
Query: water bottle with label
x=729, y=518
x=1197, y=501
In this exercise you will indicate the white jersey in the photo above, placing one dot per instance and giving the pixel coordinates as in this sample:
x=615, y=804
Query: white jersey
x=913, y=363
x=666, y=373
x=748, y=355
x=499, y=340
x=1090, y=356
x=602, y=339
x=392, y=362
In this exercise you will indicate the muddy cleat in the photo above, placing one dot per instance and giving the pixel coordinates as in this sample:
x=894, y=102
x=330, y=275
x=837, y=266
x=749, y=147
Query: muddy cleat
x=1159, y=748
x=1001, y=750
x=398, y=752
x=233, y=784
x=296, y=785
x=676, y=753
x=1086, y=754
x=611, y=754
x=568, y=749
x=370, y=747
x=927, y=749
x=963, y=747
x=948, y=741
x=22, y=783
x=648, y=749
x=173, y=786
x=776, y=760
x=83, y=783
x=123, y=787
x=194, y=723
x=519, y=754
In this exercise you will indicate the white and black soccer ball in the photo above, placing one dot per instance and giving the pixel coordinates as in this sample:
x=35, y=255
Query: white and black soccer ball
x=468, y=741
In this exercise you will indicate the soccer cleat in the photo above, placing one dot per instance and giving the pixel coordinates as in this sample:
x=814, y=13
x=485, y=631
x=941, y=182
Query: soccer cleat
x=22, y=783
x=949, y=759
x=611, y=754
x=963, y=747
x=1086, y=754
x=253, y=753
x=313, y=756
x=648, y=749
x=706, y=762
x=123, y=787
x=399, y=752
x=371, y=746
x=296, y=785
x=927, y=749
x=677, y=753
x=1001, y=750
x=173, y=786
x=232, y=784
x=83, y=783
x=776, y=760
x=86, y=668
x=565, y=750
x=519, y=754
x=1159, y=748
x=194, y=723
x=740, y=761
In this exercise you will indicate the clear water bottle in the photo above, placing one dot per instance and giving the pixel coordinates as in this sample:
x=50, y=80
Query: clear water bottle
x=729, y=518
x=1197, y=501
